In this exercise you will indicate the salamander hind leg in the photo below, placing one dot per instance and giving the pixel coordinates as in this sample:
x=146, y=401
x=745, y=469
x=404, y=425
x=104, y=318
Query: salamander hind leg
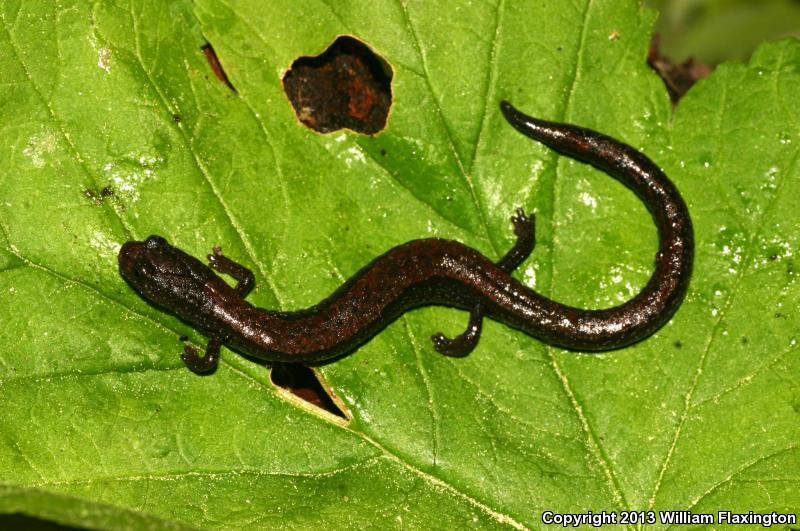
x=463, y=344
x=223, y=264
x=202, y=364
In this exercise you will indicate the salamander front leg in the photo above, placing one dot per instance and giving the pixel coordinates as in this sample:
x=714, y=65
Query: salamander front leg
x=201, y=365
x=525, y=231
x=223, y=264
x=460, y=346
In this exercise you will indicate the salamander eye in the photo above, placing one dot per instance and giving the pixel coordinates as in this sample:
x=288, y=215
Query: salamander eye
x=154, y=242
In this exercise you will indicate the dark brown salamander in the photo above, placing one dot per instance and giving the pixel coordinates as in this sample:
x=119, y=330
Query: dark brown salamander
x=431, y=271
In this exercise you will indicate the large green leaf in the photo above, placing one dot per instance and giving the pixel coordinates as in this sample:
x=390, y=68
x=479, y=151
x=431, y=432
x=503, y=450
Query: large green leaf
x=103, y=426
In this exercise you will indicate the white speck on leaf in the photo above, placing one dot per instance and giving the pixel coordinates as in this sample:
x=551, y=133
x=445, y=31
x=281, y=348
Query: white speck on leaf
x=126, y=180
x=104, y=244
x=631, y=290
x=104, y=59
x=355, y=155
x=529, y=276
x=39, y=146
x=588, y=200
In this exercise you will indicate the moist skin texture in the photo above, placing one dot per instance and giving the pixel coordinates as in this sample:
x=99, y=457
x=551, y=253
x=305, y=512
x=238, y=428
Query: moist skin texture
x=429, y=271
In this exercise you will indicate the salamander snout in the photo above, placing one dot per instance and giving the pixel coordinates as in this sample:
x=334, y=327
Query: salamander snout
x=129, y=255
x=135, y=258
x=132, y=253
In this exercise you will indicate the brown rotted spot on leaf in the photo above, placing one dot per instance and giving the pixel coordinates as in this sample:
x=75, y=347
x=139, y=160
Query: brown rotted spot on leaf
x=303, y=383
x=347, y=86
x=216, y=67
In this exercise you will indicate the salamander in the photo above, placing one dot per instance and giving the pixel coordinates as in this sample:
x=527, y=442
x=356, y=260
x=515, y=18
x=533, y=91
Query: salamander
x=428, y=271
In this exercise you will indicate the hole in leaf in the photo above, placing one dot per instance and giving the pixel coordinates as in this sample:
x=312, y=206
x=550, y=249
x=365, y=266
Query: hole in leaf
x=677, y=78
x=303, y=383
x=347, y=86
x=216, y=66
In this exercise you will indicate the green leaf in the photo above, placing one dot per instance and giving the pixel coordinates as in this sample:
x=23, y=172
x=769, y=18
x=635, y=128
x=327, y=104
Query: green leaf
x=102, y=426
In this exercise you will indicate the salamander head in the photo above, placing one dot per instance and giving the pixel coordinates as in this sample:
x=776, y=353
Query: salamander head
x=163, y=274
